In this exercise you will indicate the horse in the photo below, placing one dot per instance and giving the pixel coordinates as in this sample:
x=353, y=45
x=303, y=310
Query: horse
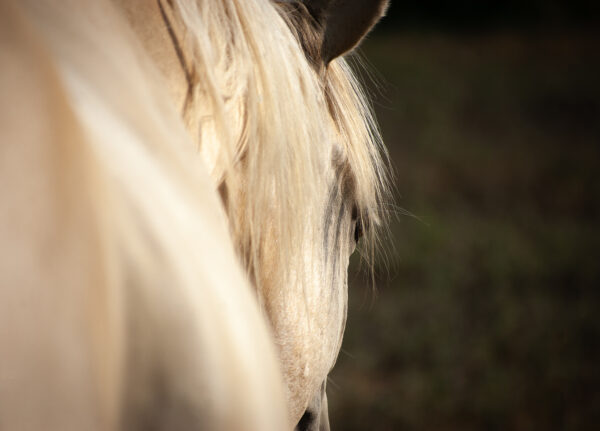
x=183, y=183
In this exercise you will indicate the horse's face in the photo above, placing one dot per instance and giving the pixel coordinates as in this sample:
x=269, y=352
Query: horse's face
x=308, y=318
x=309, y=321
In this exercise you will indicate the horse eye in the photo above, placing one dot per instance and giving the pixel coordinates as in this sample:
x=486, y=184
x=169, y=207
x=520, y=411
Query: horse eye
x=358, y=226
x=358, y=230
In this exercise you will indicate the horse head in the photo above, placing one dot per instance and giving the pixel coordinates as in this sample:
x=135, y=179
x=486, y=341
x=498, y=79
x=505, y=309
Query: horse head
x=291, y=144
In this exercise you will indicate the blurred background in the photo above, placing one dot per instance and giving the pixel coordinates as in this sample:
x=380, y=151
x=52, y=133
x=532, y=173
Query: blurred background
x=489, y=315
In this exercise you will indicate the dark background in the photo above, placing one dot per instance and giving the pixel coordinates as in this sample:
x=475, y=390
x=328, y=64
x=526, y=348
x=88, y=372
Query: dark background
x=486, y=316
x=471, y=15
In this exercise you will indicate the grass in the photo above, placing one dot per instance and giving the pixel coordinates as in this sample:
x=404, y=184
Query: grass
x=489, y=317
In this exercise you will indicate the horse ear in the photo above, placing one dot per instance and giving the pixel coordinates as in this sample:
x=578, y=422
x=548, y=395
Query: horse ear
x=344, y=23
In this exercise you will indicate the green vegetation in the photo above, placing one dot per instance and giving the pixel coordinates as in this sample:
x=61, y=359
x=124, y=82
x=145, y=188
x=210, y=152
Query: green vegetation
x=489, y=319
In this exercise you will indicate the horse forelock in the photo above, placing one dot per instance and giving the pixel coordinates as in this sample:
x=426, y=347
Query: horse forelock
x=272, y=108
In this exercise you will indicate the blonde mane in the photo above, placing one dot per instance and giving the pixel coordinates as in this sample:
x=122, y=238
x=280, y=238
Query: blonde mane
x=270, y=165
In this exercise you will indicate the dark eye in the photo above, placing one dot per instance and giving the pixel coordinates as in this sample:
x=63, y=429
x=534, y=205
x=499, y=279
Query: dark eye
x=358, y=225
x=358, y=230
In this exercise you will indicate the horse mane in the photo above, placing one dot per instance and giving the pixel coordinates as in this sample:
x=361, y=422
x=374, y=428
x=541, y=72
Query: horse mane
x=248, y=57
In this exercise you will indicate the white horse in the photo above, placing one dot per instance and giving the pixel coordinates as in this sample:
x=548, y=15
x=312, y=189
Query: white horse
x=160, y=162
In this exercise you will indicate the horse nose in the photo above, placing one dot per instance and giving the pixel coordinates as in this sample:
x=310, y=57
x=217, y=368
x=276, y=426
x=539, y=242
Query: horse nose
x=316, y=415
